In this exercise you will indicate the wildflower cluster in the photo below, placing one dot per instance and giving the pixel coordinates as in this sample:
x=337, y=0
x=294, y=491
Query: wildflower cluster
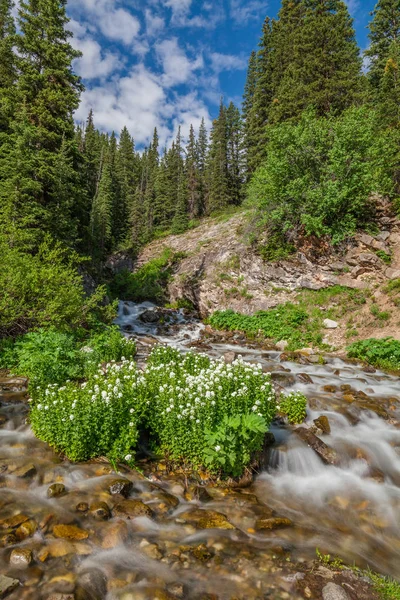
x=208, y=412
x=199, y=411
x=99, y=417
x=293, y=406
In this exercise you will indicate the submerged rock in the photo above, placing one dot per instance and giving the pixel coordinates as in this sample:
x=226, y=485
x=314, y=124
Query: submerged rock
x=7, y=585
x=120, y=486
x=100, y=511
x=21, y=557
x=327, y=454
x=70, y=532
x=130, y=509
x=206, y=519
x=323, y=423
x=273, y=523
x=25, y=471
x=55, y=490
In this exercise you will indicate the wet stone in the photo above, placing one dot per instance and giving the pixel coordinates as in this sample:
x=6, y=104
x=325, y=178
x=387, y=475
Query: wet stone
x=332, y=591
x=120, y=486
x=7, y=585
x=130, y=509
x=25, y=471
x=14, y=521
x=114, y=534
x=100, y=511
x=70, y=532
x=82, y=507
x=206, y=519
x=21, y=557
x=273, y=523
x=55, y=490
x=91, y=585
x=327, y=454
x=26, y=530
x=323, y=423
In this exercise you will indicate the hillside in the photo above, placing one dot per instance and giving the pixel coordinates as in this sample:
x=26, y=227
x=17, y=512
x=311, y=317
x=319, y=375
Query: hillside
x=220, y=271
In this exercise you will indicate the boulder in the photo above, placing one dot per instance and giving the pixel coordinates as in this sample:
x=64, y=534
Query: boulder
x=392, y=273
x=329, y=324
x=120, y=486
x=282, y=345
x=55, y=490
x=328, y=455
x=332, y=591
x=70, y=532
x=323, y=423
x=100, y=511
x=91, y=585
x=130, y=509
x=229, y=357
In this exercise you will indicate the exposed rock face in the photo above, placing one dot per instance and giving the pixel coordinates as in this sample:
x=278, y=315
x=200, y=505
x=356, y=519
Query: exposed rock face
x=221, y=271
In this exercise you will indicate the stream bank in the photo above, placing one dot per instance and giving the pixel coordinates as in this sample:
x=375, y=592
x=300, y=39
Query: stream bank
x=82, y=531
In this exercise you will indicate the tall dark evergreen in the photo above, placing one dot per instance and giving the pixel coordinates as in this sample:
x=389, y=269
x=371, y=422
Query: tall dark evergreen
x=202, y=153
x=235, y=160
x=384, y=56
x=101, y=220
x=218, y=197
x=193, y=177
x=7, y=64
x=247, y=107
x=46, y=95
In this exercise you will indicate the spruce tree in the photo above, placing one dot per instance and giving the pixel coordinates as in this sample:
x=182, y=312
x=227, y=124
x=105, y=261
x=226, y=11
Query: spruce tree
x=316, y=44
x=202, y=154
x=384, y=52
x=193, y=179
x=126, y=172
x=234, y=133
x=46, y=95
x=180, y=220
x=102, y=211
x=7, y=64
x=248, y=103
x=218, y=197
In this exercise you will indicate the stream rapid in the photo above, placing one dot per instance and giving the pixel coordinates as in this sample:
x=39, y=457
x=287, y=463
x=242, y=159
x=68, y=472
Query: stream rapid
x=163, y=546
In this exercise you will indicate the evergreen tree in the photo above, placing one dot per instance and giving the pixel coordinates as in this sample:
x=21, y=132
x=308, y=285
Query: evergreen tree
x=126, y=171
x=102, y=211
x=180, y=220
x=202, y=154
x=193, y=179
x=384, y=53
x=234, y=134
x=315, y=42
x=46, y=95
x=248, y=103
x=7, y=63
x=218, y=164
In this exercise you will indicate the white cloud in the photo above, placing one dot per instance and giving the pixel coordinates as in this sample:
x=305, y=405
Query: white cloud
x=352, y=5
x=114, y=23
x=154, y=23
x=94, y=63
x=243, y=11
x=227, y=62
x=177, y=67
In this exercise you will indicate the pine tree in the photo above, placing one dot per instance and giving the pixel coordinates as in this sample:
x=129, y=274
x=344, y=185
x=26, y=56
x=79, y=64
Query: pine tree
x=102, y=211
x=126, y=172
x=316, y=44
x=180, y=220
x=257, y=117
x=218, y=164
x=7, y=63
x=148, y=192
x=46, y=95
x=384, y=53
x=234, y=133
x=248, y=103
x=193, y=179
x=202, y=154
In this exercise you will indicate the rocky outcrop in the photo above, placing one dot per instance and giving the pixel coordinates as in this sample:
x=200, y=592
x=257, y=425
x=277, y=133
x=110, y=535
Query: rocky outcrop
x=220, y=270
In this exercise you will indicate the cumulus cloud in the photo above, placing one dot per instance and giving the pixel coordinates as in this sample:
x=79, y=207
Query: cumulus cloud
x=243, y=11
x=227, y=62
x=177, y=67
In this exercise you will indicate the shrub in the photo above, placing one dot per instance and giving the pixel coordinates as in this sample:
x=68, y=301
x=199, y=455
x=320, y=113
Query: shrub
x=99, y=417
x=148, y=282
x=206, y=412
x=45, y=290
x=106, y=346
x=48, y=357
x=294, y=407
x=318, y=177
x=384, y=353
x=199, y=411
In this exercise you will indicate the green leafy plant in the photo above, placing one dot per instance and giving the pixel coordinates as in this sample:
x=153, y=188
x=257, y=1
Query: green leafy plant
x=293, y=406
x=106, y=346
x=232, y=444
x=384, y=353
x=99, y=417
x=193, y=397
x=387, y=259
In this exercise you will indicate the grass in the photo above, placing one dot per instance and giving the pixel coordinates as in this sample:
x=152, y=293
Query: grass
x=299, y=322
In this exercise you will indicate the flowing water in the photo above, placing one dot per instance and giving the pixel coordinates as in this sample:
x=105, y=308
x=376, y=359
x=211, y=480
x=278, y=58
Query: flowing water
x=245, y=543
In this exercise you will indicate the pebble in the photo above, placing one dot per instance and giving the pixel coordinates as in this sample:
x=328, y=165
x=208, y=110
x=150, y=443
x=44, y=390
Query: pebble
x=332, y=591
x=21, y=557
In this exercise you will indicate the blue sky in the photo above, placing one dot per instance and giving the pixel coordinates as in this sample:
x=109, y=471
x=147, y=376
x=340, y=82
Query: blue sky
x=165, y=63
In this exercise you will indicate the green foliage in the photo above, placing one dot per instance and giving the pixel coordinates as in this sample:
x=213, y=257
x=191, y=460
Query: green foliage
x=45, y=290
x=386, y=587
x=319, y=175
x=294, y=406
x=200, y=412
x=381, y=315
x=300, y=324
x=48, y=356
x=148, y=282
x=384, y=353
x=97, y=418
x=203, y=410
x=387, y=259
